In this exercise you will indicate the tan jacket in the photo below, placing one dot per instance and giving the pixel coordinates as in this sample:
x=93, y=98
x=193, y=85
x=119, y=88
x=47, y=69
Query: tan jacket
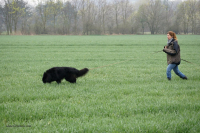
x=173, y=52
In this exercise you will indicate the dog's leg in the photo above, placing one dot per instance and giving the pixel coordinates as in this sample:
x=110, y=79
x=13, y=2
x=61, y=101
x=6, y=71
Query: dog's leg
x=71, y=79
x=58, y=81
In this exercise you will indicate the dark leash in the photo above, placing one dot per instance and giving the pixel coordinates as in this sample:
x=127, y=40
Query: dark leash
x=132, y=59
x=157, y=52
x=187, y=61
x=110, y=64
x=181, y=59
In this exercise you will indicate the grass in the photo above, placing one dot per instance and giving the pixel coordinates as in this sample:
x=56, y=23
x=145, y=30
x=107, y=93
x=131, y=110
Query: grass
x=133, y=96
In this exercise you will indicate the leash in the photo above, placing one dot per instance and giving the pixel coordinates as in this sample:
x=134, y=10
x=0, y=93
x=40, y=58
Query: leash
x=110, y=64
x=181, y=59
x=188, y=61
x=157, y=52
x=132, y=59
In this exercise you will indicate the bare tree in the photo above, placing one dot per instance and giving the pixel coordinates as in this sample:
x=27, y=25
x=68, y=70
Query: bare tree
x=44, y=12
x=7, y=16
x=182, y=13
x=103, y=10
x=54, y=7
x=68, y=17
x=76, y=6
x=104, y=13
x=18, y=7
x=1, y=19
x=140, y=17
x=88, y=12
x=192, y=6
x=152, y=12
x=198, y=17
x=26, y=20
x=110, y=19
x=83, y=13
x=168, y=13
x=116, y=6
x=125, y=10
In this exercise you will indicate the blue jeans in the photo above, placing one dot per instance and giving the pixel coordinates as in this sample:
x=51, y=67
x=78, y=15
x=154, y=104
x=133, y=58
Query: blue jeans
x=175, y=68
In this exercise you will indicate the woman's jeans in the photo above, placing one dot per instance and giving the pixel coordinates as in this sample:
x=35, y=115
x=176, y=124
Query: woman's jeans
x=175, y=68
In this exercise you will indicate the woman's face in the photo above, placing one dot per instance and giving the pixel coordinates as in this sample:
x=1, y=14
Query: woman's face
x=169, y=37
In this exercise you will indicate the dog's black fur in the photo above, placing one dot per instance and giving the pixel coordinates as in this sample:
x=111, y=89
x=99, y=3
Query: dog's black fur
x=58, y=73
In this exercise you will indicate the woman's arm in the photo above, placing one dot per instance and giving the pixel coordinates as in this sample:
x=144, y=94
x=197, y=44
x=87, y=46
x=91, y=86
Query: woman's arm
x=173, y=51
x=169, y=51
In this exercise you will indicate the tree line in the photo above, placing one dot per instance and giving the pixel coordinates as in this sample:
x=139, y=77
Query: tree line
x=96, y=17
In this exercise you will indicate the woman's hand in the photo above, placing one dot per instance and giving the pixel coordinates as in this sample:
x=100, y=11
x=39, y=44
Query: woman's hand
x=165, y=46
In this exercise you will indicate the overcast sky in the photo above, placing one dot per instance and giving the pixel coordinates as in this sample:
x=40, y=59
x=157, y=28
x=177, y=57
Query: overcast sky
x=33, y=2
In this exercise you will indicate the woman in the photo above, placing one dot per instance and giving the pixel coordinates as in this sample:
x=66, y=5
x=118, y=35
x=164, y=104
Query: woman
x=172, y=49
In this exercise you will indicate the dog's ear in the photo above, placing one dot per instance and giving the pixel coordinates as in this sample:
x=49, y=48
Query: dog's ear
x=44, y=77
x=47, y=77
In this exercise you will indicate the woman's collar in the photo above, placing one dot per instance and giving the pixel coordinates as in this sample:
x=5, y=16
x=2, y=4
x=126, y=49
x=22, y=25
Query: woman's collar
x=170, y=40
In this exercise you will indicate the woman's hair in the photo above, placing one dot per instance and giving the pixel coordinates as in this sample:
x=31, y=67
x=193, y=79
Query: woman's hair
x=172, y=34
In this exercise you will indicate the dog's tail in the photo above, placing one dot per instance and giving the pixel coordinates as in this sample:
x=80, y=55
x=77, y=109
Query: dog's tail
x=82, y=72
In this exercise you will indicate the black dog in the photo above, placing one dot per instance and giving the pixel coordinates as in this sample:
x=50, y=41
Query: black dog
x=58, y=73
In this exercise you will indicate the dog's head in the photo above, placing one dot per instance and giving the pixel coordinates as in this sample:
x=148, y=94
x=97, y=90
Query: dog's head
x=46, y=78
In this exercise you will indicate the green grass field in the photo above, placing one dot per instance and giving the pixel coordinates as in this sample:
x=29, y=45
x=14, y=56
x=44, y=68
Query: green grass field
x=132, y=96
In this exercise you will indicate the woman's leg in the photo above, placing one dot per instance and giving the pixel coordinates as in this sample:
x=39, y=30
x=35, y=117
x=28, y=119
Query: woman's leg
x=180, y=74
x=169, y=68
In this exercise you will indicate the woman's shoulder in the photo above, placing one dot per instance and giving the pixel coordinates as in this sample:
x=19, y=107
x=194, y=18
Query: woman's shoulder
x=175, y=45
x=175, y=41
